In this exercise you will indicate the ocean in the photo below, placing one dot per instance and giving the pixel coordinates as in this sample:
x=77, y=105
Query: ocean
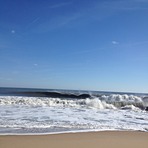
x=47, y=111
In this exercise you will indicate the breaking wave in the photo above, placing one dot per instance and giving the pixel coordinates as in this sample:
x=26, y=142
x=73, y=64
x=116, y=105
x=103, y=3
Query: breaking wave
x=113, y=101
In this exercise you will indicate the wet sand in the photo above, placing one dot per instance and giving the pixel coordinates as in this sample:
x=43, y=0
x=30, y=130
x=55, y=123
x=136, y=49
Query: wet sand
x=105, y=139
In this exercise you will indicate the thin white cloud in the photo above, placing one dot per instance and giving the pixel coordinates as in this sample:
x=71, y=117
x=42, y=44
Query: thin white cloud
x=96, y=11
x=115, y=42
x=124, y=5
x=35, y=64
x=60, y=5
x=13, y=31
x=141, y=1
x=33, y=21
x=56, y=23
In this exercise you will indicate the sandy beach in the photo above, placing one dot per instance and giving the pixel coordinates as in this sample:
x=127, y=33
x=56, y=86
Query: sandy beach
x=105, y=139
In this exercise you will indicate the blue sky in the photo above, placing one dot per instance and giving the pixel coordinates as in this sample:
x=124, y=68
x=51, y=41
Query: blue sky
x=74, y=44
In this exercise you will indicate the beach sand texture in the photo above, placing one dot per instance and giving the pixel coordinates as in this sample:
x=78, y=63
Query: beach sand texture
x=103, y=139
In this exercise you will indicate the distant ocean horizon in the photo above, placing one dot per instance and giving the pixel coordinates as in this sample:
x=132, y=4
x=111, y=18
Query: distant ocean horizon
x=41, y=111
x=17, y=89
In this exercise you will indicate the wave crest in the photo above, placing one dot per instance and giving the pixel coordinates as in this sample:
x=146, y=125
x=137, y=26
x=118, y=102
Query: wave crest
x=113, y=101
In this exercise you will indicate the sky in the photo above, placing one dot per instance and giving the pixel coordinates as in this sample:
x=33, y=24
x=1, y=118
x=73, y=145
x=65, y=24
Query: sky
x=74, y=44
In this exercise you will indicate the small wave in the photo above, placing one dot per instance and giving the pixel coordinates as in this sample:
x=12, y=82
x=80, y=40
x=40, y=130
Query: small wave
x=130, y=107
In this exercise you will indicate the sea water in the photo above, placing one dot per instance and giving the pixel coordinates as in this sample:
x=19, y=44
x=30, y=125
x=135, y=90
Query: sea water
x=38, y=111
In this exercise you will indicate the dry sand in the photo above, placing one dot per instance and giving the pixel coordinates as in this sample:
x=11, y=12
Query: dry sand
x=78, y=140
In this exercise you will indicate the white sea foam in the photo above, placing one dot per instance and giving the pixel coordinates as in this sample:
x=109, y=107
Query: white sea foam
x=48, y=115
x=103, y=102
x=96, y=103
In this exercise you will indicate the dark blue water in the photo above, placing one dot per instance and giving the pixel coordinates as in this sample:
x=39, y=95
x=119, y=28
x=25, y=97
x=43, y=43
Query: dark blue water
x=42, y=92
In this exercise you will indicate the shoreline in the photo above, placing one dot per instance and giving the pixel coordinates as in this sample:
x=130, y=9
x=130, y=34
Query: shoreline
x=103, y=139
x=69, y=132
